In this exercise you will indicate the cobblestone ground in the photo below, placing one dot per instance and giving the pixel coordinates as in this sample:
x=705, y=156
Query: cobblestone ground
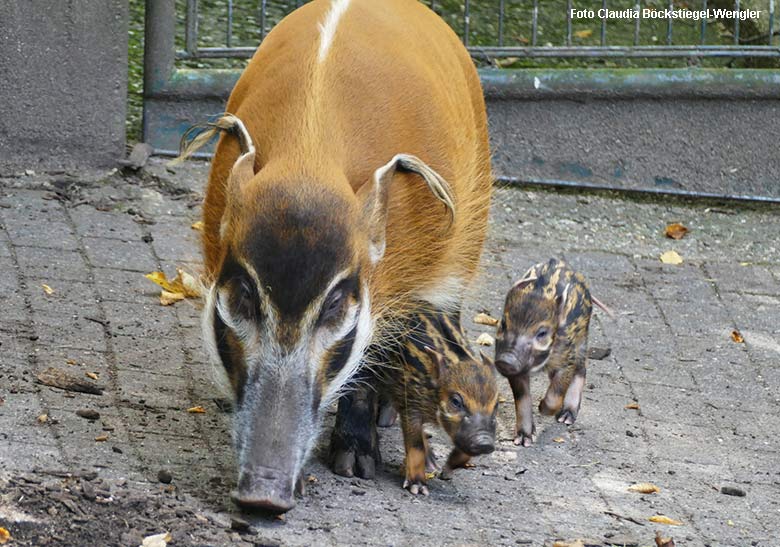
x=707, y=405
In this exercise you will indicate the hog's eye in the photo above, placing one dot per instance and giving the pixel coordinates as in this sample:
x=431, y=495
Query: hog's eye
x=333, y=306
x=456, y=401
x=244, y=298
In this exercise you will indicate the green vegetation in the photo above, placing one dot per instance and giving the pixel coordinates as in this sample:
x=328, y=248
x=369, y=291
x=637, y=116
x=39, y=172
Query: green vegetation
x=484, y=31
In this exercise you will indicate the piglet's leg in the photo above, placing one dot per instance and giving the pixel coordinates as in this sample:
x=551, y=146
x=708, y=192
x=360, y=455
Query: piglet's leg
x=573, y=398
x=414, y=443
x=456, y=460
x=524, y=414
x=553, y=399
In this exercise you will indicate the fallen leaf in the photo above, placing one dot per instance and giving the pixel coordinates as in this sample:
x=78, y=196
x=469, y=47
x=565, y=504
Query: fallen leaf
x=644, y=488
x=196, y=410
x=167, y=298
x=675, y=231
x=632, y=406
x=587, y=33
x=661, y=541
x=559, y=440
x=71, y=362
x=671, y=257
x=661, y=519
x=575, y=543
x=311, y=479
x=184, y=285
x=101, y=438
x=47, y=289
x=506, y=61
x=502, y=399
x=737, y=337
x=197, y=226
x=93, y=375
x=485, y=319
x=485, y=339
x=430, y=475
x=469, y=465
x=157, y=540
x=5, y=536
x=43, y=418
x=730, y=522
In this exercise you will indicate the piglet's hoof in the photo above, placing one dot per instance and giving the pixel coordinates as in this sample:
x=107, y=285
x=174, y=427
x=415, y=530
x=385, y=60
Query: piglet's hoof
x=524, y=439
x=566, y=416
x=446, y=473
x=387, y=416
x=416, y=487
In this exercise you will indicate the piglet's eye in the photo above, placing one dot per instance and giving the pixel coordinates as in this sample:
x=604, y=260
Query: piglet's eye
x=542, y=334
x=502, y=324
x=456, y=401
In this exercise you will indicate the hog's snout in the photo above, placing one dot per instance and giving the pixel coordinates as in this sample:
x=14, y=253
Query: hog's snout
x=265, y=488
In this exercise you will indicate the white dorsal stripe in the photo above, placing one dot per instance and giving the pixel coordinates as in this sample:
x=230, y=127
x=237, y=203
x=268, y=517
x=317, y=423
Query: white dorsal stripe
x=328, y=26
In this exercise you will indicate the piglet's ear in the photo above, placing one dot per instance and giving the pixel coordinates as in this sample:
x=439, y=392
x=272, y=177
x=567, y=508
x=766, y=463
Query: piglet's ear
x=520, y=283
x=438, y=358
x=374, y=197
x=487, y=360
x=561, y=301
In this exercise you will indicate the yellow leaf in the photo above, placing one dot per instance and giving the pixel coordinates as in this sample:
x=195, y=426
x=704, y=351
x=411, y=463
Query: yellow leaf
x=737, y=337
x=632, y=406
x=48, y=290
x=167, y=298
x=559, y=440
x=157, y=540
x=160, y=279
x=429, y=475
x=101, y=438
x=660, y=519
x=5, y=536
x=644, y=488
x=671, y=257
x=196, y=410
x=43, y=418
x=93, y=375
x=730, y=522
x=575, y=543
x=502, y=399
x=675, y=231
x=485, y=339
x=197, y=226
x=586, y=33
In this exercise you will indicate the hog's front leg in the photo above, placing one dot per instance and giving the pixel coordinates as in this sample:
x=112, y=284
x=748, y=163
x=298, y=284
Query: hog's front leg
x=415, y=445
x=524, y=414
x=456, y=460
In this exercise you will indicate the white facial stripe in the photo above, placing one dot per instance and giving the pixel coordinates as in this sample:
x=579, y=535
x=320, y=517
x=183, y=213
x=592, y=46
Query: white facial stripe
x=210, y=342
x=329, y=25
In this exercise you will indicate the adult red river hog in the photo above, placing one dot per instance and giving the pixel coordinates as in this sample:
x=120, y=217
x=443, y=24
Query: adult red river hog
x=349, y=188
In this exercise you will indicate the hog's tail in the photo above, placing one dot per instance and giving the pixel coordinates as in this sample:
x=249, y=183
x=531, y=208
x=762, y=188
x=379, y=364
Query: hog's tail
x=199, y=135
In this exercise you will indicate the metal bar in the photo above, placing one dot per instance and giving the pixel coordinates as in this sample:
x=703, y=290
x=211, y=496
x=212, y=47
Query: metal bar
x=568, y=22
x=554, y=183
x=637, y=20
x=466, y=21
x=501, y=23
x=534, y=22
x=263, y=8
x=634, y=52
x=669, y=25
x=771, y=21
x=191, y=28
x=433, y=5
x=604, y=24
x=736, y=24
x=703, y=30
x=229, y=34
x=159, y=38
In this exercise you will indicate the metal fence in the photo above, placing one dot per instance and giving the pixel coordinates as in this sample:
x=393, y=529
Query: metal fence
x=495, y=29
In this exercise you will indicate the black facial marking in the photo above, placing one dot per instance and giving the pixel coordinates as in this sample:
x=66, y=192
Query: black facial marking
x=339, y=356
x=299, y=249
x=233, y=367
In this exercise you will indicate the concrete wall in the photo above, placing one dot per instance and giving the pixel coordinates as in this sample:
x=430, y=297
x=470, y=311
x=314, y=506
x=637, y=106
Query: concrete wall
x=714, y=146
x=63, y=83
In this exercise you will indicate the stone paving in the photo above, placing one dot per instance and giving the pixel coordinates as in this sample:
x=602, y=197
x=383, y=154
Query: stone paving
x=707, y=405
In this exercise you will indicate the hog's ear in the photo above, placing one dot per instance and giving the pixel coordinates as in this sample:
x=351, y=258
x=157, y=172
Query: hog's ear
x=561, y=302
x=441, y=364
x=373, y=196
x=244, y=168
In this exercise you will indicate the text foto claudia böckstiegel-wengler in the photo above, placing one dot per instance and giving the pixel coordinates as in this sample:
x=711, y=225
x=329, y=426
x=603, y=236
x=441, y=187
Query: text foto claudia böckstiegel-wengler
x=651, y=13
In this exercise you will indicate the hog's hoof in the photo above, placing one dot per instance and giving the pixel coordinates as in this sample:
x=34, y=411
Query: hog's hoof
x=387, y=416
x=524, y=439
x=566, y=416
x=415, y=487
x=447, y=473
x=348, y=463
